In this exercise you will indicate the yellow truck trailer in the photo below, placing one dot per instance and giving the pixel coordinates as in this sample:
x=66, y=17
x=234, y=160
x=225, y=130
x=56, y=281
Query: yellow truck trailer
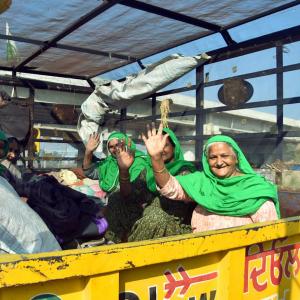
x=78, y=40
x=257, y=262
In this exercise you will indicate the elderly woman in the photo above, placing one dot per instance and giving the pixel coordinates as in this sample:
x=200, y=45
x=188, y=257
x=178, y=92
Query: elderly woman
x=12, y=156
x=67, y=213
x=140, y=213
x=21, y=230
x=228, y=192
x=107, y=170
x=121, y=176
x=163, y=217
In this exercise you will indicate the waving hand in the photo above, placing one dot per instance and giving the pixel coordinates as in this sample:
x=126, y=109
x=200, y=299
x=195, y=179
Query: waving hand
x=155, y=141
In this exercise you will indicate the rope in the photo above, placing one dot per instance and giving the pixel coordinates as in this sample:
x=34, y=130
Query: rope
x=164, y=111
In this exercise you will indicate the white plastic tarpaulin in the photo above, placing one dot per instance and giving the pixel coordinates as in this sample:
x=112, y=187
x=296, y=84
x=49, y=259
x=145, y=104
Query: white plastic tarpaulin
x=135, y=87
x=21, y=229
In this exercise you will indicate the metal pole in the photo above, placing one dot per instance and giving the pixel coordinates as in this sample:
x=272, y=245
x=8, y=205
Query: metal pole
x=153, y=106
x=279, y=106
x=200, y=117
x=123, y=116
x=31, y=137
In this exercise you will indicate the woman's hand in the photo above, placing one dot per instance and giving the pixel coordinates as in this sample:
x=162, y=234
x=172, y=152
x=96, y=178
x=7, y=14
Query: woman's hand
x=155, y=141
x=90, y=147
x=124, y=156
x=92, y=143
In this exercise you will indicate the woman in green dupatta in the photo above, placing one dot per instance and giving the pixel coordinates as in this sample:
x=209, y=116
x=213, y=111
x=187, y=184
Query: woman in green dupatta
x=173, y=159
x=119, y=180
x=164, y=217
x=145, y=215
x=228, y=191
x=120, y=212
x=107, y=170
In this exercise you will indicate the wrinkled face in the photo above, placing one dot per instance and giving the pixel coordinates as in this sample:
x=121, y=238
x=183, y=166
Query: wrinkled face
x=13, y=151
x=112, y=146
x=168, y=152
x=222, y=160
x=2, y=151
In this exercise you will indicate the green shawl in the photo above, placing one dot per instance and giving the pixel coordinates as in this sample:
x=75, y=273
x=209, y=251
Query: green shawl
x=5, y=148
x=174, y=166
x=234, y=196
x=108, y=168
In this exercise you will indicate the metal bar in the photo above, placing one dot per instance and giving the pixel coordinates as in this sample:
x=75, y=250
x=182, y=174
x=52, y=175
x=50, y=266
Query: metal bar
x=31, y=71
x=284, y=134
x=44, y=85
x=243, y=76
x=30, y=144
x=256, y=74
x=78, y=23
x=142, y=66
x=68, y=47
x=59, y=141
x=120, y=56
x=200, y=116
x=266, y=103
x=279, y=107
x=30, y=159
x=21, y=39
x=170, y=14
x=260, y=43
x=240, y=136
x=264, y=42
x=174, y=91
x=123, y=117
x=153, y=108
x=91, y=83
x=263, y=14
x=246, y=136
x=4, y=80
x=86, y=90
x=96, y=52
x=227, y=37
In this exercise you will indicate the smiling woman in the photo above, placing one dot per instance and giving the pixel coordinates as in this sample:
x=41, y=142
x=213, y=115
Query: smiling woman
x=228, y=191
x=222, y=160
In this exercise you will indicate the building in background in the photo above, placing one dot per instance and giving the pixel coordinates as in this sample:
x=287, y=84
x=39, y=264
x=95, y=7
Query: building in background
x=258, y=150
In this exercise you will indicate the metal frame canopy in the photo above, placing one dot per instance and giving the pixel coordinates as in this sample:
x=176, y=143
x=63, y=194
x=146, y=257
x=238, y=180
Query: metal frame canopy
x=82, y=39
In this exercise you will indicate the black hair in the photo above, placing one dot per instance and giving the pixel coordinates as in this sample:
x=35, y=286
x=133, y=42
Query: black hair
x=171, y=141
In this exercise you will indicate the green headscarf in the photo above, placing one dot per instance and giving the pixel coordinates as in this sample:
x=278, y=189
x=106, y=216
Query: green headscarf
x=5, y=149
x=109, y=170
x=174, y=166
x=234, y=196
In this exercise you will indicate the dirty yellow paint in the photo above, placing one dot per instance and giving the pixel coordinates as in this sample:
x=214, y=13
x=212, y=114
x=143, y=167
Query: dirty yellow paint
x=211, y=265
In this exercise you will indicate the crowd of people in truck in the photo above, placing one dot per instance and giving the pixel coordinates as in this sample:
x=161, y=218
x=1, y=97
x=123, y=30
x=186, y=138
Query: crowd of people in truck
x=150, y=195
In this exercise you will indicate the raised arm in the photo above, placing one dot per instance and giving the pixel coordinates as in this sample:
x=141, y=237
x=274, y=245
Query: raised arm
x=168, y=185
x=155, y=142
x=125, y=159
x=90, y=147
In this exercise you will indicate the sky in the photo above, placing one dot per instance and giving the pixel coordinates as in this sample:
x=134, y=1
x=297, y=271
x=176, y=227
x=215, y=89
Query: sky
x=264, y=87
